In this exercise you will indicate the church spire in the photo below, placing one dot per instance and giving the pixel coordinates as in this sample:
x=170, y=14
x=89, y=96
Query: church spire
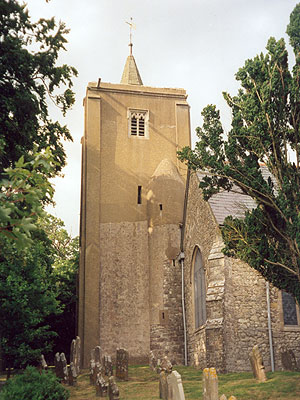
x=131, y=75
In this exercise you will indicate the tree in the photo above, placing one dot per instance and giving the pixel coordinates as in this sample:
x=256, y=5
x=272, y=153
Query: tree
x=27, y=297
x=64, y=280
x=23, y=193
x=29, y=77
x=264, y=130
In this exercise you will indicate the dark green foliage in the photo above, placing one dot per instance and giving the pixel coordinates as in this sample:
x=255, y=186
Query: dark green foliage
x=64, y=280
x=29, y=77
x=26, y=298
x=31, y=385
x=264, y=130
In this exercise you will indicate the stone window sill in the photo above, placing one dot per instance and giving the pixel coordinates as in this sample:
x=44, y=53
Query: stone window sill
x=291, y=328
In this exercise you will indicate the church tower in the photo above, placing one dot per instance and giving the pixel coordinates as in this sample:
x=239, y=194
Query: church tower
x=131, y=213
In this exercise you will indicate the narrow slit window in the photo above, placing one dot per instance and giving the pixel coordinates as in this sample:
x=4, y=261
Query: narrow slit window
x=139, y=198
x=160, y=207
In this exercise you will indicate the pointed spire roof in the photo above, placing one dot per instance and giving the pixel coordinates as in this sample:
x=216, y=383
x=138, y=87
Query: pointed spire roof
x=131, y=75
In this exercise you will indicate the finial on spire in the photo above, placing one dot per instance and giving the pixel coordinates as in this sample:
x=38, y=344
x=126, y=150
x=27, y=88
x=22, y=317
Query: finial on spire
x=132, y=26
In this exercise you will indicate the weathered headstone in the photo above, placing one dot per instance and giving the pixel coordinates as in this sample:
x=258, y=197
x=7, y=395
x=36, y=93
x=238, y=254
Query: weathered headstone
x=107, y=365
x=166, y=365
x=288, y=360
x=59, y=369
x=75, y=354
x=257, y=365
x=210, y=384
x=175, y=388
x=113, y=390
x=65, y=368
x=72, y=374
x=122, y=364
x=223, y=397
x=98, y=354
x=152, y=361
x=163, y=385
x=96, y=368
x=101, y=386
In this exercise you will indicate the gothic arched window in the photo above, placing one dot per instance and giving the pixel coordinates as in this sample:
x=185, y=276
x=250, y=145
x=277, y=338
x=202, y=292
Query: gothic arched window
x=199, y=289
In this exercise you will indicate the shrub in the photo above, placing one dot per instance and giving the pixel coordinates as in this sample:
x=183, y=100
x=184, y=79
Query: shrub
x=31, y=385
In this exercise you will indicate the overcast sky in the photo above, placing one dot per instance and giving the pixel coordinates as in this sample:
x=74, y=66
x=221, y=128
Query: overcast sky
x=197, y=45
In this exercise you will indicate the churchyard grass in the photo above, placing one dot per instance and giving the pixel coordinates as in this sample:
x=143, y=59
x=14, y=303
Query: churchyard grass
x=143, y=384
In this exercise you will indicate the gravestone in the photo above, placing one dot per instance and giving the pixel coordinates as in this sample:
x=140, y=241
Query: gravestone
x=42, y=365
x=59, y=369
x=107, y=365
x=65, y=368
x=98, y=354
x=152, y=361
x=75, y=354
x=223, y=397
x=175, y=388
x=72, y=374
x=163, y=385
x=288, y=360
x=113, y=390
x=210, y=384
x=257, y=364
x=96, y=368
x=101, y=386
x=166, y=365
x=122, y=364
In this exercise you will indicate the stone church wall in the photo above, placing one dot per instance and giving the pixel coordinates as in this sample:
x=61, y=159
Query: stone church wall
x=124, y=289
x=236, y=302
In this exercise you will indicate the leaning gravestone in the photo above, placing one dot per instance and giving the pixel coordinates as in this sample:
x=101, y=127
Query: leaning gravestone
x=101, y=386
x=96, y=368
x=42, y=364
x=257, y=365
x=122, y=364
x=210, y=384
x=107, y=365
x=113, y=390
x=175, y=388
x=288, y=360
x=75, y=354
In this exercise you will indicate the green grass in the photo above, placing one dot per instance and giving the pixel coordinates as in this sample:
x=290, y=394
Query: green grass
x=143, y=384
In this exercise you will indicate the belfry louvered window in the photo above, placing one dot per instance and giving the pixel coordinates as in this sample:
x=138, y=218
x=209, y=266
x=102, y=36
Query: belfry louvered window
x=138, y=123
x=199, y=290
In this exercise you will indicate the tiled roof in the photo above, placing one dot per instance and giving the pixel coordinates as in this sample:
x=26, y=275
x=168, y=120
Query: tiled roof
x=131, y=75
x=234, y=202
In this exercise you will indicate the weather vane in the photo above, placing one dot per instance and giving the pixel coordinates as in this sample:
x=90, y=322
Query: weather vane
x=132, y=26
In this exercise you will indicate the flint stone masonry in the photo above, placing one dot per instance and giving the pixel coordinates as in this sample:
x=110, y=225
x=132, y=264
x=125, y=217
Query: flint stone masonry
x=122, y=360
x=236, y=302
x=257, y=365
x=175, y=388
x=210, y=384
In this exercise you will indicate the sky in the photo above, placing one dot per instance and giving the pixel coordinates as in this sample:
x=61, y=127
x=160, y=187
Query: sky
x=197, y=45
